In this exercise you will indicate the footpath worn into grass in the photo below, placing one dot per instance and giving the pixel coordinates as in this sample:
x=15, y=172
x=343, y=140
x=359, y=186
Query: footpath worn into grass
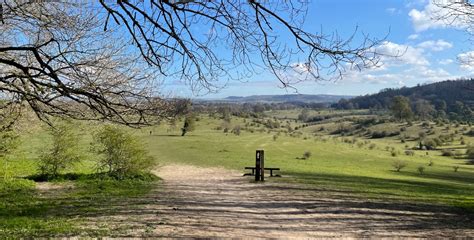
x=215, y=202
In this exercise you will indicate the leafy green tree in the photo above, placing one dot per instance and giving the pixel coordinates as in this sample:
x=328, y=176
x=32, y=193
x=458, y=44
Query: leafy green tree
x=63, y=152
x=121, y=153
x=9, y=141
x=189, y=124
x=401, y=108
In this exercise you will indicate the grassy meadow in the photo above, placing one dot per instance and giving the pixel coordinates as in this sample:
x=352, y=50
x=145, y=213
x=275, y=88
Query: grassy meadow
x=349, y=161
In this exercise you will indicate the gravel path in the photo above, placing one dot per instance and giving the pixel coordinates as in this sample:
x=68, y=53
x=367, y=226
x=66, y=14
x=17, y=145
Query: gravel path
x=215, y=202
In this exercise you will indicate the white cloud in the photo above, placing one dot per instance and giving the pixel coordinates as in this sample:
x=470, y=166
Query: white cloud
x=413, y=36
x=467, y=61
x=436, y=46
x=435, y=17
x=393, y=11
x=401, y=54
x=446, y=61
x=429, y=74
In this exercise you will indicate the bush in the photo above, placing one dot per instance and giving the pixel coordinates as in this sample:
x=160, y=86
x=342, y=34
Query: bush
x=447, y=153
x=421, y=170
x=377, y=134
x=306, y=155
x=372, y=146
x=470, y=133
x=399, y=165
x=236, y=130
x=430, y=163
x=121, y=153
x=275, y=137
x=470, y=152
x=430, y=144
x=8, y=142
x=64, y=152
x=409, y=153
x=393, y=153
x=189, y=124
x=455, y=168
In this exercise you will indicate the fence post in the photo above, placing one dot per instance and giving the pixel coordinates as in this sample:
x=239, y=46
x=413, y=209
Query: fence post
x=259, y=166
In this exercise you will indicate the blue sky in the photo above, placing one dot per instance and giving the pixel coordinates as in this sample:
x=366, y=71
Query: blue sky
x=432, y=49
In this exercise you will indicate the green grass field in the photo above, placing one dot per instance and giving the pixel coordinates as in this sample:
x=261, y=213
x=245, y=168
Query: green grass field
x=335, y=164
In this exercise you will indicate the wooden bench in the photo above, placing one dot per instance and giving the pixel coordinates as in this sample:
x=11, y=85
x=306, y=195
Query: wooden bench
x=268, y=169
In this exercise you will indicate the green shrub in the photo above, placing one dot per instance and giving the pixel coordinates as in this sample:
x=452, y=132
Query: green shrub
x=8, y=142
x=447, y=153
x=377, y=134
x=409, y=152
x=430, y=163
x=63, y=153
x=393, y=153
x=236, y=130
x=470, y=152
x=275, y=137
x=189, y=124
x=430, y=144
x=421, y=170
x=306, y=155
x=399, y=165
x=455, y=168
x=121, y=153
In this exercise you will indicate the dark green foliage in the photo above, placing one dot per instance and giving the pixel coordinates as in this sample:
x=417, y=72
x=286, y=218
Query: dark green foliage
x=8, y=142
x=121, y=153
x=470, y=152
x=307, y=155
x=447, y=153
x=430, y=163
x=421, y=169
x=189, y=124
x=470, y=133
x=452, y=99
x=430, y=143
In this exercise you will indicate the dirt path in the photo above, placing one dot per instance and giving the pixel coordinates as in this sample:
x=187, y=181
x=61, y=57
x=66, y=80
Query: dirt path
x=214, y=202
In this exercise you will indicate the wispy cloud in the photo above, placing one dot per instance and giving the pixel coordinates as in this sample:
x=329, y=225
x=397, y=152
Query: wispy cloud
x=436, y=46
x=435, y=17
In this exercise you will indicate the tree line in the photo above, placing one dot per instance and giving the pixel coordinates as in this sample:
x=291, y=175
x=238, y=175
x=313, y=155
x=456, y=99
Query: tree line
x=448, y=99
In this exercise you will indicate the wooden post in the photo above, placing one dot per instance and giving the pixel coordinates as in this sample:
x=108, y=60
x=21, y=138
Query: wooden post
x=259, y=165
x=262, y=164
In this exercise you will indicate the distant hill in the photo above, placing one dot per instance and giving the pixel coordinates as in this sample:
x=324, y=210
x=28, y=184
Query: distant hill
x=451, y=92
x=304, y=98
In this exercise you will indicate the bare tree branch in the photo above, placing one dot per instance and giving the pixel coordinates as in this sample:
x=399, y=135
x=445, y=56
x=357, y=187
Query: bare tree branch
x=102, y=60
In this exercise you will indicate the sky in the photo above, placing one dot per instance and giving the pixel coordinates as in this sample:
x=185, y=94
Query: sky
x=432, y=50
